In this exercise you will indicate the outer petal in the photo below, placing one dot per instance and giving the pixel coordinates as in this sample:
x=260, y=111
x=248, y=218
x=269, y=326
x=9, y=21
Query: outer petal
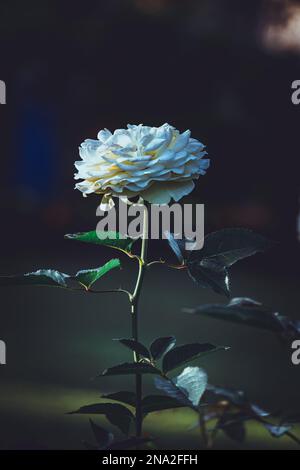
x=162, y=193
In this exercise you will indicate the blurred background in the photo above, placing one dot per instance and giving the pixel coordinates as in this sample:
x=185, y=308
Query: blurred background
x=223, y=69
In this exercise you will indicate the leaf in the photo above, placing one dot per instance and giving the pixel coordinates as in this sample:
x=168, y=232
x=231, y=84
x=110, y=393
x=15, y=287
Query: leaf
x=136, y=346
x=259, y=411
x=244, y=311
x=209, y=266
x=87, y=277
x=171, y=389
x=209, y=274
x=110, y=239
x=125, y=397
x=187, y=388
x=230, y=245
x=117, y=414
x=193, y=380
x=277, y=431
x=236, y=397
x=42, y=277
x=153, y=403
x=176, y=245
x=161, y=346
x=131, y=368
x=291, y=328
x=103, y=437
x=187, y=352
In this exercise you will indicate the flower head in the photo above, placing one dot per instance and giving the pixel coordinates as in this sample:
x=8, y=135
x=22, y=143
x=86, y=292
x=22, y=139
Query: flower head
x=156, y=163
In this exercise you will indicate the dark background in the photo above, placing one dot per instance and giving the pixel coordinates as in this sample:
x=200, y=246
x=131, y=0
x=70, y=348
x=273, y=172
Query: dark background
x=220, y=68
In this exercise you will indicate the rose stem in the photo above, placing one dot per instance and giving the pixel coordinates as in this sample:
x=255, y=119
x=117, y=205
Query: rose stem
x=134, y=315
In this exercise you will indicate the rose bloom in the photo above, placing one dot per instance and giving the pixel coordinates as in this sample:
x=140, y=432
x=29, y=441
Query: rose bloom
x=155, y=163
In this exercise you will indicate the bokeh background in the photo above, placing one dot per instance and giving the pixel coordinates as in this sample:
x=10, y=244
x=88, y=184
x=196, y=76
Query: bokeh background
x=223, y=69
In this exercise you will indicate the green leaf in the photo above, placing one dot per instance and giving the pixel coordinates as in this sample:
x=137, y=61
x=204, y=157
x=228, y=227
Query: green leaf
x=187, y=388
x=244, y=311
x=117, y=414
x=209, y=266
x=131, y=368
x=161, y=346
x=136, y=346
x=103, y=437
x=187, y=352
x=153, y=403
x=110, y=239
x=87, y=277
x=125, y=397
x=42, y=277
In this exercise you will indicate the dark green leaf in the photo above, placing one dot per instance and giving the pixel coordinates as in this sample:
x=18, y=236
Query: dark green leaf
x=187, y=352
x=42, y=277
x=242, y=310
x=170, y=388
x=87, y=277
x=103, y=437
x=236, y=397
x=187, y=388
x=176, y=245
x=230, y=245
x=125, y=397
x=209, y=274
x=131, y=368
x=153, y=403
x=209, y=266
x=116, y=414
x=136, y=346
x=161, y=346
x=111, y=239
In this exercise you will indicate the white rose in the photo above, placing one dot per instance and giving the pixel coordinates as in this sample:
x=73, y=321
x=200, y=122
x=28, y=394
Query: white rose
x=157, y=163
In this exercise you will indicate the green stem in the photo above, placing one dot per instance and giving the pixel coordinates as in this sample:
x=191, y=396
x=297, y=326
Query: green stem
x=134, y=315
